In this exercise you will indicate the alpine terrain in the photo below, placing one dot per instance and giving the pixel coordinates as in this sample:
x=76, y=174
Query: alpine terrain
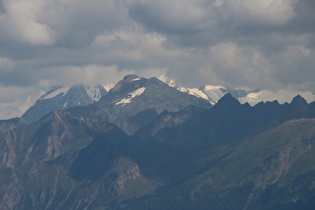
x=147, y=144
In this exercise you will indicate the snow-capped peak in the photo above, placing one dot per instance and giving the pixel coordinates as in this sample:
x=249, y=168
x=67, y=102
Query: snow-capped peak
x=54, y=91
x=60, y=98
x=192, y=91
x=93, y=92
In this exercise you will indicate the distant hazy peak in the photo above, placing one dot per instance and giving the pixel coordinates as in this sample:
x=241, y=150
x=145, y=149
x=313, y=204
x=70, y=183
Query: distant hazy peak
x=213, y=93
x=61, y=98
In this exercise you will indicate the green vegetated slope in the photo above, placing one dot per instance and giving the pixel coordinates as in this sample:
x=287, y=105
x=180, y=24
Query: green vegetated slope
x=274, y=170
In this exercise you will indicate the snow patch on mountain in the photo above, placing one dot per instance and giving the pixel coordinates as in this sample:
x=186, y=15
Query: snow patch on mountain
x=65, y=105
x=192, y=91
x=131, y=95
x=93, y=92
x=195, y=92
x=136, y=79
x=53, y=92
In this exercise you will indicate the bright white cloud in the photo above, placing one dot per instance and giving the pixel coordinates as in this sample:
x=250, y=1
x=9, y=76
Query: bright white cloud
x=21, y=23
x=73, y=23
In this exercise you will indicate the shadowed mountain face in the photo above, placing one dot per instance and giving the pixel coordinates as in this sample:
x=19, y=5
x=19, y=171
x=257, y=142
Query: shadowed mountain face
x=273, y=170
x=145, y=145
x=135, y=101
x=7, y=125
x=227, y=121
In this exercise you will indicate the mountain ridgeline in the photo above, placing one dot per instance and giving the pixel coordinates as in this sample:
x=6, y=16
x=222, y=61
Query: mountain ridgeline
x=62, y=98
x=147, y=145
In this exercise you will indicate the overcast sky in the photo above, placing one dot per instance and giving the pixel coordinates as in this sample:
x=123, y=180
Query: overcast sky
x=266, y=44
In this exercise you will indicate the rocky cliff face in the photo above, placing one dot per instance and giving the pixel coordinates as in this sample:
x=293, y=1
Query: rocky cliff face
x=8, y=125
x=55, y=164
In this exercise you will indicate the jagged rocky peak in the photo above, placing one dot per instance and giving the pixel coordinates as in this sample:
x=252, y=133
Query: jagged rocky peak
x=268, y=105
x=229, y=100
x=299, y=100
x=247, y=105
x=273, y=103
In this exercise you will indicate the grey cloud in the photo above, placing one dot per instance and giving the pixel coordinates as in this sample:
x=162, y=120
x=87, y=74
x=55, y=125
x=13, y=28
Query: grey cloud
x=259, y=44
x=78, y=23
x=2, y=8
x=188, y=40
x=176, y=17
x=295, y=66
x=206, y=23
x=304, y=20
x=265, y=27
x=62, y=23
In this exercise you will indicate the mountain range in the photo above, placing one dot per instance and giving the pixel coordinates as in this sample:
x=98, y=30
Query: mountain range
x=213, y=93
x=63, y=98
x=146, y=144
